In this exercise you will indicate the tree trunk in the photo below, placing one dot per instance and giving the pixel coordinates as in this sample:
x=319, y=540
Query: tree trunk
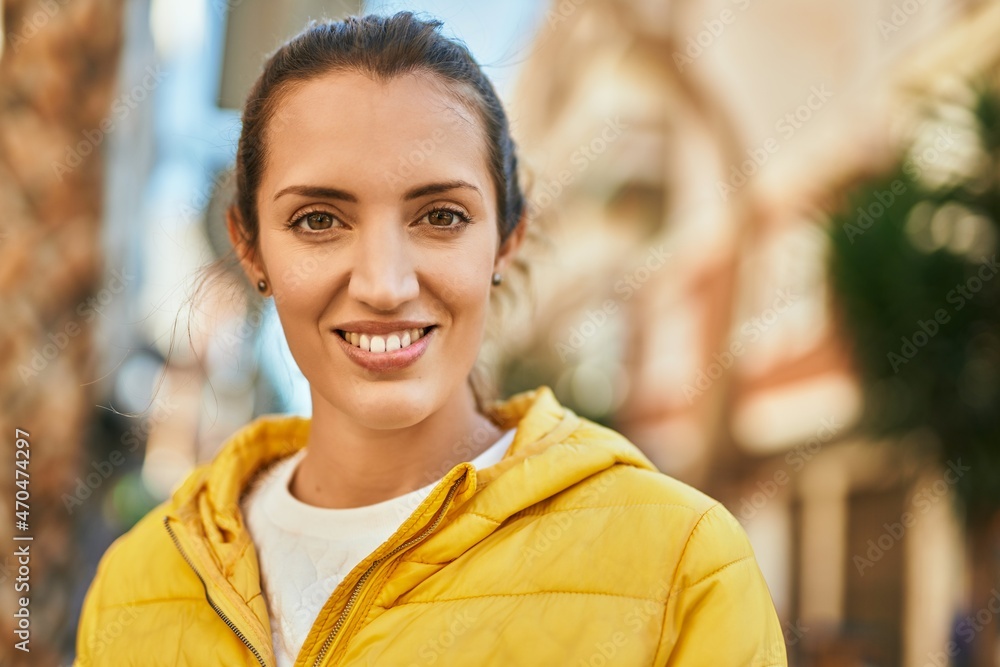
x=981, y=622
x=57, y=77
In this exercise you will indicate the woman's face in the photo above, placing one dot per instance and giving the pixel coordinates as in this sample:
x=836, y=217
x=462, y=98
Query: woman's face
x=378, y=240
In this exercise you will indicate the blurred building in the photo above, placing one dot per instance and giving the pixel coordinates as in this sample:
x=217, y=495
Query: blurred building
x=682, y=155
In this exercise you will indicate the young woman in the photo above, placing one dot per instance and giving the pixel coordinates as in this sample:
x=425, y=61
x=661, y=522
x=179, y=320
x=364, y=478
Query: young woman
x=406, y=522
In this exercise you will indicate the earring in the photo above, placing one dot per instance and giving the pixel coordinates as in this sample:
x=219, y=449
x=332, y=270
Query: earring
x=261, y=286
x=497, y=278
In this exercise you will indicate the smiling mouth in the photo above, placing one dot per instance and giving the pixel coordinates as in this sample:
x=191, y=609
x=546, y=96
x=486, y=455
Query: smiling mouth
x=397, y=340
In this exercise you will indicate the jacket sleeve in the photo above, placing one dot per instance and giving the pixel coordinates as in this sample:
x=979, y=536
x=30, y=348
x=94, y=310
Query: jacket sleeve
x=108, y=610
x=719, y=612
x=86, y=631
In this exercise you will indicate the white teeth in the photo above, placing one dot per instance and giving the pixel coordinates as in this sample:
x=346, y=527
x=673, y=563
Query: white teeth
x=388, y=343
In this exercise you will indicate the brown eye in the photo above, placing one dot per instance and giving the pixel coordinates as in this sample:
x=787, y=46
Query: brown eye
x=441, y=218
x=447, y=219
x=316, y=221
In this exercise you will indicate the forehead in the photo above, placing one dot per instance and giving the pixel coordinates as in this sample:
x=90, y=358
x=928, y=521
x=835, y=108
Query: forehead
x=347, y=128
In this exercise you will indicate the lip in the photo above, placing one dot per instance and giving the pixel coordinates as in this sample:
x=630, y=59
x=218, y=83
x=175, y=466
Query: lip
x=382, y=362
x=380, y=328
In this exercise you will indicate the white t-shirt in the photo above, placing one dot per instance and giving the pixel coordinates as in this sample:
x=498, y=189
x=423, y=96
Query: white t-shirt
x=306, y=551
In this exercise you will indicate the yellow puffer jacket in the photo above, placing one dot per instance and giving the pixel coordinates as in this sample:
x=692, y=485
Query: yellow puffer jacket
x=573, y=550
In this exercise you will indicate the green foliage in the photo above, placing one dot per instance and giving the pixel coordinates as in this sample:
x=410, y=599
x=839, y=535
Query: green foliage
x=918, y=287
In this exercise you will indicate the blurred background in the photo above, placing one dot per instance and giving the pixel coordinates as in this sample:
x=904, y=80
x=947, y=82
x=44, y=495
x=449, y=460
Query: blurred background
x=769, y=233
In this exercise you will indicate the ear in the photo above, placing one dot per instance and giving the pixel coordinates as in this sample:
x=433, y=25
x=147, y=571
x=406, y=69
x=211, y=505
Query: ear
x=510, y=248
x=246, y=254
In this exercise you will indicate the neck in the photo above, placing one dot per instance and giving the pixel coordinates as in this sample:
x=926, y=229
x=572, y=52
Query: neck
x=350, y=465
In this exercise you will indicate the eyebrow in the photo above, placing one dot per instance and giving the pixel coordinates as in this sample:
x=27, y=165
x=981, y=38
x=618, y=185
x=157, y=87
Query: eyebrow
x=343, y=195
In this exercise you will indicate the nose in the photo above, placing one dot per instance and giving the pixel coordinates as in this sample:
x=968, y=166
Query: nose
x=383, y=276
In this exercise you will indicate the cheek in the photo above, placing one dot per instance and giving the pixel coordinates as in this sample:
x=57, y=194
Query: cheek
x=299, y=283
x=463, y=284
x=296, y=270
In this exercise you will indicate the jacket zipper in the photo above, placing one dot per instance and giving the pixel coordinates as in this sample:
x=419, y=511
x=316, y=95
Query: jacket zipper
x=371, y=568
x=222, y=615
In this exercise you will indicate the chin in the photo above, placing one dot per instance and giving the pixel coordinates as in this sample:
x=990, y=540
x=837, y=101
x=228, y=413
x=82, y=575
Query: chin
x=391, y=405
x=381, y=419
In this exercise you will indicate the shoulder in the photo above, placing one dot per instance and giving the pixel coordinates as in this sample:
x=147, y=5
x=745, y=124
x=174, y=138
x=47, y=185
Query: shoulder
x=696, y=560
x=698, y=524
x=132, y=568
x=623, y=486
x=140, y=570
x=629, y=483
x=709, y=578
x=625, y=477
x=142, y=564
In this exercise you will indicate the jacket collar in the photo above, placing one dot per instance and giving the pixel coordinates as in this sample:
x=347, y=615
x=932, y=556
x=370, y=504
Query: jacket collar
x=214, y=490
x=209, y=500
